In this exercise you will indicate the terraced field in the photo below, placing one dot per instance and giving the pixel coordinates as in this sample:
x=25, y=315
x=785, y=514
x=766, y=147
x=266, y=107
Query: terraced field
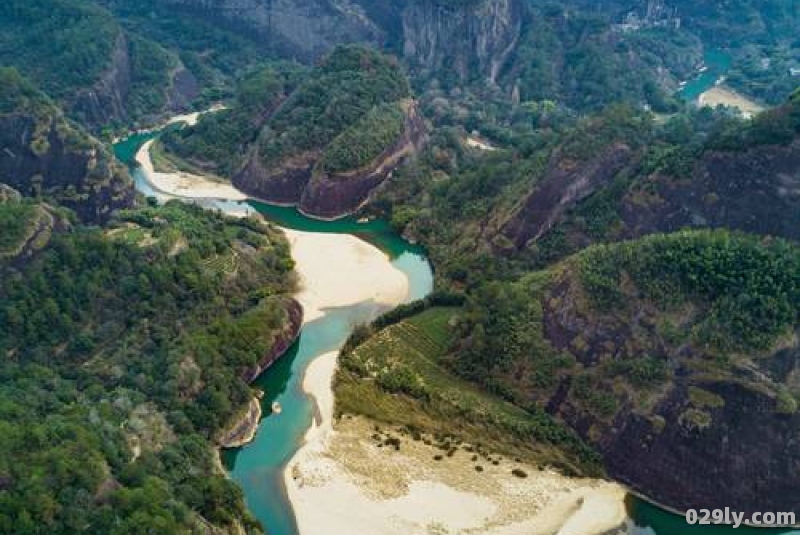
x=397, y=377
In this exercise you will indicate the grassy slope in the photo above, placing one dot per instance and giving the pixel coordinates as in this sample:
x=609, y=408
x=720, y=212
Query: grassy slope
x=397, y=377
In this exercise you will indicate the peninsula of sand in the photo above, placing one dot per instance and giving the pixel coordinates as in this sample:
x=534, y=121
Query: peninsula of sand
x=182, y=184
x=720, y=95
x=339, y=483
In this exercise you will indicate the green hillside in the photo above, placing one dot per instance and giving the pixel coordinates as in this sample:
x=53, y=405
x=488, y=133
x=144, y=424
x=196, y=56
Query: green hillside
x=125, y=350
x=401, y=376
x=349, y=83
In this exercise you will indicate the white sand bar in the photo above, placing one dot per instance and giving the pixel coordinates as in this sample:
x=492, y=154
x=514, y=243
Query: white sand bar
x=183, y=184
x=340, y=270
x=722, y=96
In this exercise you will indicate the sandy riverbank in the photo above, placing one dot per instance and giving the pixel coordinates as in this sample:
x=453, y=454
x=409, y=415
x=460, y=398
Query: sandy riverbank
x=722, y=96
x=342, y=483
x=183, y=184
x=339, y=270
x=335, y=270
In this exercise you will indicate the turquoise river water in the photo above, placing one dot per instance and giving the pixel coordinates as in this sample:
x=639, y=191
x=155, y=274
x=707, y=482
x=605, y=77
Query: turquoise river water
x=717, y=64
x=258, y=467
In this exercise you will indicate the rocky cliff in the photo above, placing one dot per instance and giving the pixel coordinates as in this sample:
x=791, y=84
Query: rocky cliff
x=302, y=29
x=284, y=185
x=294, y=311
x=473, y=38
x=614, y=195
x=244, y=429
x=105, y=100
x=44, y=155
x=299, y=180
x=331, y=195
x=677, y=421
x=563, y=186
x=756, y=190
x=48, y=163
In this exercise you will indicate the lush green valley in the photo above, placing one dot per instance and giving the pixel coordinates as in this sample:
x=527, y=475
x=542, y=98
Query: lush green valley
x=617, y=268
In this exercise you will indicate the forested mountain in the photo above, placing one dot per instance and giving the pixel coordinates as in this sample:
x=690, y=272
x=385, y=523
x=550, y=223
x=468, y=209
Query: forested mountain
x=760, y=35
x=322, y=143
x=557, y=188
x=618, y=267
x=656, y=352
x=109, y=63
x=661, y=348
x=124, y=353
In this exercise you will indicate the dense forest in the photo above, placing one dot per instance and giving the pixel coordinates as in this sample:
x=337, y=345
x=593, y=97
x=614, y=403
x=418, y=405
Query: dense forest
x=219, y=142
x=347, y=109
x=124, y=353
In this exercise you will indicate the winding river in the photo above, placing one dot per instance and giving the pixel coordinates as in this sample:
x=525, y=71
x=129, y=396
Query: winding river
x=258, y=467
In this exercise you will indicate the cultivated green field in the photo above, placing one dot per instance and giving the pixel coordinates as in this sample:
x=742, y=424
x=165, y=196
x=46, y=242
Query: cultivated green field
x=397, y=377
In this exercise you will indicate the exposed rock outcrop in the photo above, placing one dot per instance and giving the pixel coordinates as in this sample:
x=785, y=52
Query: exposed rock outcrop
x=304, y=29
x=284, y=185
x=331, y=195
x=51, y=158
x=468, y=38
x=294, y=311
x=299, y=181
x=243, y=430
x=757, y=191
x=706, y=439
x=183, y=89
x=561, y=189
x=105, y=100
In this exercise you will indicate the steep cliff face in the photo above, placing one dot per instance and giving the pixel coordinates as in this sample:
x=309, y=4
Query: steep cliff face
x=301, y=180
x=675, y=356
x=331, y=195
x=304, y=29
x=183, y=89
x=703, y=434
x=747, y=457
x=757, y=190
x=469, y=38
x=44, y=155
x=283, y=185
x=105, y=100
x=55, y=161
x=294, y=313
x=561, y=189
